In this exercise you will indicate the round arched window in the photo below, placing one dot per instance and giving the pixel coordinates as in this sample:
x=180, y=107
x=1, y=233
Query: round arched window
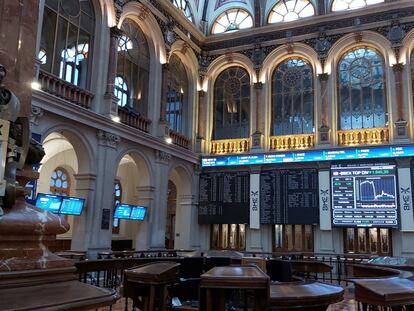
x=232, y=20
x=290, y=10
x=60, y=182
x=342, y=5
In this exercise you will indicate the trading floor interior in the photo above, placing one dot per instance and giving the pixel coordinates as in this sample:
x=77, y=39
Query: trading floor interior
x=206, y=155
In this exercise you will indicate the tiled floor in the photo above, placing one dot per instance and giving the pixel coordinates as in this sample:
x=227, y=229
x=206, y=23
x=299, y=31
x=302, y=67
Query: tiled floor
x=348, y=304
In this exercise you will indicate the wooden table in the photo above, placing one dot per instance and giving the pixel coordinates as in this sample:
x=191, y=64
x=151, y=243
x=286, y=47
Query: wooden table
x=147, y=284
x=386, y=292
x=304, y=295
x=219, y=280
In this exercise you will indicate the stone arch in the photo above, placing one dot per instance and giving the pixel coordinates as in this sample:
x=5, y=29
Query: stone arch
x=188, y=58
x=83, y=149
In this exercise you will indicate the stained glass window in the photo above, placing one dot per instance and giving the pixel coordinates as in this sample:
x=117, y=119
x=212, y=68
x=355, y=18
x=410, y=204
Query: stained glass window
x=133, y=66
x=121, y=91
x=117, y=199
x=67, y=37
x=290, y=10
x=292, y=98
x=232, y=104
x=361, y=90
x=60, y=182
x=232, y=20
x=184, y=7
x=342, y=5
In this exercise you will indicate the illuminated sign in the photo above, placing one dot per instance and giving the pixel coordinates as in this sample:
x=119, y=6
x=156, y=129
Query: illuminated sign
x=310, y=156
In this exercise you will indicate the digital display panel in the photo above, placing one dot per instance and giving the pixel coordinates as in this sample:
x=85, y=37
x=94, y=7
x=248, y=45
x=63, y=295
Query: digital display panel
x=138, y=213
x=364, y=195
x=123, y=211
x=49, y=202
x=310, y=156
x=72, y=206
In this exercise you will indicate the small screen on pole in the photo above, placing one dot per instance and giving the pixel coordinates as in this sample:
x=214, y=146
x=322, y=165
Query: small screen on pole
x=122, y=211
x=138, y=213
x=72, y=206
x=49, y=202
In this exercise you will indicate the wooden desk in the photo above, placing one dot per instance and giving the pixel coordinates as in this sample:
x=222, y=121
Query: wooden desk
x=218, y=280
x=388, y=292
x=304, y=295
x=147, y=284
x=307, y=266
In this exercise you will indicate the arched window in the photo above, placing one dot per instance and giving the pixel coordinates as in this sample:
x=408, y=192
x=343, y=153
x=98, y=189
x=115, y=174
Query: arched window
x=133, y=66
x=117, y=199
x=67, y=37
x=292, y=98
x=184, y=7
x=121, y=91
x=177, y=93
x=60, y=182
x=290, y=10
x=232, y=104
x=361, y=90
x=342, y=5
x=232, y=20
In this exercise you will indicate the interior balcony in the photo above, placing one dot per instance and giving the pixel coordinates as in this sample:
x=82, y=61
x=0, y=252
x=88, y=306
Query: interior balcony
x=368, y=136
x=292, y=142
x=224, y=146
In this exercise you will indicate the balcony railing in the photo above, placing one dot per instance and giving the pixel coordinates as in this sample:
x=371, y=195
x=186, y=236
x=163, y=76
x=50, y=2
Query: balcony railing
x=133, y=119
x=230, y=146
x=369, y=136
x=68, y=91
x=292, y=142
x=179, y=139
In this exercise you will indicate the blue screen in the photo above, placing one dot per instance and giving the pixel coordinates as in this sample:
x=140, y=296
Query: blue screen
x=72, y=206
x=310, y=156
x=123, y=211
x=138, y=213
x=49, y=202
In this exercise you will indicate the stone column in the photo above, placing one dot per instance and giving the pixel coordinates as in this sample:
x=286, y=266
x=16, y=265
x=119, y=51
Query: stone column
x=201, y=126
x=401, y=123
x=324, y=128
x=257, y=136
x=111, y=101
x=158, y=215
x=186, y=219
x=163, y=126
x=18, y=23
x=145, y=198
x=85, y=188
x=102, y=210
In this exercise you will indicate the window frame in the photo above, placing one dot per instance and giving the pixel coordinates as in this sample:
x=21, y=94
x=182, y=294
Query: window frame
x=236, y=26
x=62, y=191
x=333, y=3
x=280, y=3
x=116, y=223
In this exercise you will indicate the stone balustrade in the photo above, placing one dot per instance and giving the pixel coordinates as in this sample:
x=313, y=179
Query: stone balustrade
x=292, y=142
x=230, y=146
x=368, y=136
x=134, y=120
x=179, y=139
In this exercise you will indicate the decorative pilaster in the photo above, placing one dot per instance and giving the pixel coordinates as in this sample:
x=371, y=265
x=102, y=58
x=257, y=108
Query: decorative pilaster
x=324, y=129
x=257, y=136
x=201, y=126
x=110, y=98
x=163, y=124
x=401, y=123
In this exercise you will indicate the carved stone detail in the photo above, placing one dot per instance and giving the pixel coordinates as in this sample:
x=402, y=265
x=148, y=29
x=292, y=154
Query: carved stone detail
x=162, y=156
x=108, y=139
x=35, y=115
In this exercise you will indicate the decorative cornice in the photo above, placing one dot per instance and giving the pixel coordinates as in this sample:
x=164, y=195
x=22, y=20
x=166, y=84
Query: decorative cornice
x=108, y=139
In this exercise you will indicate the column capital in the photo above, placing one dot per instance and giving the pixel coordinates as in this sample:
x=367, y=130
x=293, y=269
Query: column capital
x=201, y=93
x=108, y=139
x=162, y=156
x=115, y=32
x=398, y=67
x=323, y=77
x=258, y=85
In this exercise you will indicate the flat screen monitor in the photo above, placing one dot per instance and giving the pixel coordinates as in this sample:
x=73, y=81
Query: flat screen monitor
x=72, y=206
x=123, y=211
x=49, y=202
x=364, y=195
x=138, y=213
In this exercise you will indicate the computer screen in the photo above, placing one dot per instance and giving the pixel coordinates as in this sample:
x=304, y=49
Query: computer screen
x=49, y=202
x=72, y=206
x=123, y=211
x=138, y=213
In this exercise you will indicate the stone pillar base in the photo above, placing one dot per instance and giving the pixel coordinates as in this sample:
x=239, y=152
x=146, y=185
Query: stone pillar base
x=200, y=145
x=257, y=142
x=401, y=129
x=163, y=130
x=324, y=133
x=111, y=105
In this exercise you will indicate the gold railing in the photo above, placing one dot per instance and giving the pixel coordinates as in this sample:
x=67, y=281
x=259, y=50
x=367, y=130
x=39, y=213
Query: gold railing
x=133, y=119
x=180, y=139
x=60, y=88
x=287, y=142
x=230, y=146
x=370, y=136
